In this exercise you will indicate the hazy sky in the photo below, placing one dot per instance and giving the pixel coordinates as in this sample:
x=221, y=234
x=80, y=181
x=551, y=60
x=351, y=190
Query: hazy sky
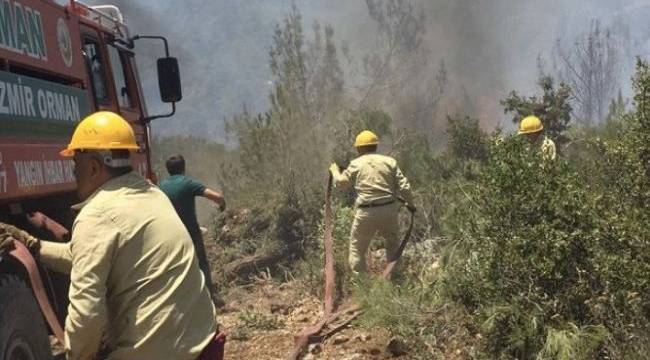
x=490, y=46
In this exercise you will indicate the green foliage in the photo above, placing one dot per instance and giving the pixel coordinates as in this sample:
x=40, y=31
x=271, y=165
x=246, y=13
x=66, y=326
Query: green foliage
x=415, y=314
x=617, y=108
x=552, y=107
x=511, y=331
x=416, y=159
x=553, y=257
x=641, y=135
x=384, y=304
x=537, y=254
x=524, y=202
x=342, y=223
x=286, y=147
x=280, y=228
x=259, y=321
x=573, y=343
x=538, y=259
x=438, y=179
x=251, y=321
x=351, y=123
x=312, y=269
x=466, y=139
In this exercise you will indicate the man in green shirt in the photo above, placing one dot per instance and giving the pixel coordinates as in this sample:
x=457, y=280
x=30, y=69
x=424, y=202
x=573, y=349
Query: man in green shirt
x=182, y=190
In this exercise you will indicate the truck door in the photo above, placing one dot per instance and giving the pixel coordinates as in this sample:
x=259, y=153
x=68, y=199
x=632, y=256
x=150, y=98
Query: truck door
x=114, y=87
x=96, y=68
x=128, y=101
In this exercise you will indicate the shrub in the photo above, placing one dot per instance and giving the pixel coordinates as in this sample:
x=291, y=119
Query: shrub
x=554, y=265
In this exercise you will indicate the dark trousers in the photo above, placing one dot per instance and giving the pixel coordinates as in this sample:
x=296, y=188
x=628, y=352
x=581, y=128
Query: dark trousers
x=215, y=349
x=201, y=255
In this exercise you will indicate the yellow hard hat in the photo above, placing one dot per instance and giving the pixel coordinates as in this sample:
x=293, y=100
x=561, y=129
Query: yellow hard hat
x=530, y=124
x=366, y=138
x=103, y=130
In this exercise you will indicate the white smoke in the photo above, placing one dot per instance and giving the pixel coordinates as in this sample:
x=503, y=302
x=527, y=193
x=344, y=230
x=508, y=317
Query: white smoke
x=489, y=47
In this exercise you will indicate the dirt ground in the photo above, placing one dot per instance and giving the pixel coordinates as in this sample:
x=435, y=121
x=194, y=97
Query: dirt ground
x=261, y=320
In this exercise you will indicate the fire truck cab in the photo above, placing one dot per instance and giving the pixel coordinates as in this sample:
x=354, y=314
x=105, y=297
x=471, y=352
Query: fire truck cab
x=57, y=65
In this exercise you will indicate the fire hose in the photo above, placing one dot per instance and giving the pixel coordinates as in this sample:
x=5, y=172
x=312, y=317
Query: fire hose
x=23, y=255
x=351, y=311
x=213, y=351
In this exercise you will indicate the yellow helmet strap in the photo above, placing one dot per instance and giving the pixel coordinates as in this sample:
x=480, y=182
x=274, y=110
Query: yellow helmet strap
x=367, y=148
x=110, y=161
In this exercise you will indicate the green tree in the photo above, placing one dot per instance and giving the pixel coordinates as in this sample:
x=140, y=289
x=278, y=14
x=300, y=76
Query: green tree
x=616, y=109
x=554, y=257
x=287, y=146
x=641, y=83
x=351, y=123
x=467, y=141
x=552, y=107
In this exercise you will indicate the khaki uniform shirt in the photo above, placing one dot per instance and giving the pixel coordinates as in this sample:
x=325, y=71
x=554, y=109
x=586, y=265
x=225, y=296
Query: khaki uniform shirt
x=134, y=277
x=376, y=178
x=548, y=149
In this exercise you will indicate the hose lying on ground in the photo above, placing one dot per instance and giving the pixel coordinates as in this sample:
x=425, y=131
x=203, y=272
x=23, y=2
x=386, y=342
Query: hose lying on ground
x=302, y=338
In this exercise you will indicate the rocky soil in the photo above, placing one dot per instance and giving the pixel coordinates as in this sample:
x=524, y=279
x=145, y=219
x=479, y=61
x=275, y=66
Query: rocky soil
x=261, y=320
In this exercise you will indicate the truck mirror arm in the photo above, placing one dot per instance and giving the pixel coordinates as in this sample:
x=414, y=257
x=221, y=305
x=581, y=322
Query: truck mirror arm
x=131, y=44
x=148, y=119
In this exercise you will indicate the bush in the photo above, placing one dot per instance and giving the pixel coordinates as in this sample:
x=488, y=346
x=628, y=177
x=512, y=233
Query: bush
x=552, y=107
x=539, y=259
x=415, y=314
x=466, y=139
x=551, y=263
x=551, y=258
x=311, y=270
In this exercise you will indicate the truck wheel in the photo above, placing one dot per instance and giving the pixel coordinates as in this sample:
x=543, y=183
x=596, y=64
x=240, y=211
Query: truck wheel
x=23, y=335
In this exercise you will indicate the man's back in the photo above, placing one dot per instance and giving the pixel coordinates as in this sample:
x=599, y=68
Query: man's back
x=181, y=190
x=157, y=304
x=376, y=179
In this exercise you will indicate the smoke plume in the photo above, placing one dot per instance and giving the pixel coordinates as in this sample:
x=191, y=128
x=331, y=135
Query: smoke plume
x=489, y=48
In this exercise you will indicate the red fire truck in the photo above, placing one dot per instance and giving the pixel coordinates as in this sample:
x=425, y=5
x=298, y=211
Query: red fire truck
x=57, y=64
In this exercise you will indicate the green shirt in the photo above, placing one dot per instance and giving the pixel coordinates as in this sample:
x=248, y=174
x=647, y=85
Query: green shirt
x=181, y=190
x=133, y=276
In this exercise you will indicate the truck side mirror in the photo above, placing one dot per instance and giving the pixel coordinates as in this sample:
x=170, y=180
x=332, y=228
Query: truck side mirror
x=169, y=80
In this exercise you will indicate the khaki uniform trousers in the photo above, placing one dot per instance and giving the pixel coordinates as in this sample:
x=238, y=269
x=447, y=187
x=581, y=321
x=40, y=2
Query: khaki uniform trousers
x=368, y=222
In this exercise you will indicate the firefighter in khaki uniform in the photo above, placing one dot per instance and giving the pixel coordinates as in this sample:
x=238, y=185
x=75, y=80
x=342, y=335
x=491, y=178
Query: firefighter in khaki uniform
x=380, y=186
x=133, y=273
x=531, y=127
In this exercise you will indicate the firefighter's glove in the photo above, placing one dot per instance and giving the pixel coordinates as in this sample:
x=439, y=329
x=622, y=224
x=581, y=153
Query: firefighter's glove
x=6, y=243
x=222, y=205
x=9, y=234
x=334, y=169
x=411, y=208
